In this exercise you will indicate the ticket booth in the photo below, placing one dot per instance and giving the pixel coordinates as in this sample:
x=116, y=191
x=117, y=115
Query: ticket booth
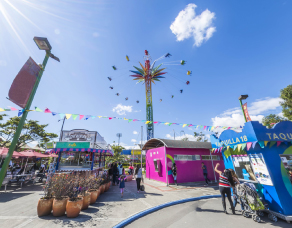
x=264, y=157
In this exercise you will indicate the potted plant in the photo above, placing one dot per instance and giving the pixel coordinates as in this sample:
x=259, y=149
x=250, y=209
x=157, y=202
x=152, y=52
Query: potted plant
x=83, y=188
x=102, y=187
x=94, y=191
x=74, y=203
x=59, y=185
x=45, y=203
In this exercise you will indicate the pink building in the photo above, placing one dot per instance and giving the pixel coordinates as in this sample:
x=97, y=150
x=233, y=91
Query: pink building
x=188, y=157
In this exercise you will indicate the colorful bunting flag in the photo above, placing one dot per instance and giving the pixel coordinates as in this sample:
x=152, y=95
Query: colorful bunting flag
x=184, y=125
x=278, y=143
x=74, y=116
x=2, y=110
x=13, y=109
x=272, y=143
x=266, y=143
x=54, y=113
x=47, y=111
x=38, y=109
x=81, y=116
x=68, y=116
x=61, y=115
x=262, y=144
x=20, y=112
x=87, y=117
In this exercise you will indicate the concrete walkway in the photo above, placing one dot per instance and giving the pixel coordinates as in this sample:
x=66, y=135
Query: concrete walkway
x=18, y=206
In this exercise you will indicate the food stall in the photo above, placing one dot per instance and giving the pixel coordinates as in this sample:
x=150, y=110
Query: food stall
x=263, y=157
x=81, y=150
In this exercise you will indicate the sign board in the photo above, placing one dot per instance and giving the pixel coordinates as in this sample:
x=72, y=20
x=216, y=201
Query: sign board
x=260, y=169
x=50, y=145
x=23, y=83
x=78, y=135
x=73, y=145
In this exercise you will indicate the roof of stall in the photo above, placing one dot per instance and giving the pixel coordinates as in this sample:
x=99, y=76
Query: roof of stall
x=155, y=143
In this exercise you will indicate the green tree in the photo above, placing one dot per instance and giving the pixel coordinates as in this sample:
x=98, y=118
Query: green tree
x=286, y=95
x=270, y=120
x=117, y=157
x=200, y=137
x=185, y=139
x=32, y=131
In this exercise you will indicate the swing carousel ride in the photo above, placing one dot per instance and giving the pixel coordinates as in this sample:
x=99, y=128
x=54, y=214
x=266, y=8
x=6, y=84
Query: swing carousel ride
x=148, y=74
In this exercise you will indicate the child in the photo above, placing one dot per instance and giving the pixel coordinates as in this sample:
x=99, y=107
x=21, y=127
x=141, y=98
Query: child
x=122, y=184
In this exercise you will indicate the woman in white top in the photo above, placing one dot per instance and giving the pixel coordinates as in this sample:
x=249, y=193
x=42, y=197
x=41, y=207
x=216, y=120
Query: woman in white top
x=138, y=175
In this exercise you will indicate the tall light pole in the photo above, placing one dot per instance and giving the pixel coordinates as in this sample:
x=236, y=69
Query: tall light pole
x=141, y=143
x=242, y=97
x=43, y=44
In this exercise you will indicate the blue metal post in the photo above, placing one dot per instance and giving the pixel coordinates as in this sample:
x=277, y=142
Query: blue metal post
x=99, y=160
x=59, y=157
x=92, y=160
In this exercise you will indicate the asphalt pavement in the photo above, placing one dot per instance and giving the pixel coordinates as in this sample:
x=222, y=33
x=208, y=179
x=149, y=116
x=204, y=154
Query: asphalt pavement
x=203, y=213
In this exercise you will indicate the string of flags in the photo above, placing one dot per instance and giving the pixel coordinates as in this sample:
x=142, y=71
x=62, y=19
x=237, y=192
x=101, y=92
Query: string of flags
x=240, y=148
x=86, y=117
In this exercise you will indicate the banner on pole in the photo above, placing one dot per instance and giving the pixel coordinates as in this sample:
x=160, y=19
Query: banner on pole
x=244, y=106
x=23, y=83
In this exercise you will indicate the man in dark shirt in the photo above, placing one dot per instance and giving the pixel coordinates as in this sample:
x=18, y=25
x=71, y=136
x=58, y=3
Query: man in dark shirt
x=205, y=173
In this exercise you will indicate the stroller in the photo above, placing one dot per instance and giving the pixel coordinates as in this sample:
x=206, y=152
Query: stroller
x=252, y=204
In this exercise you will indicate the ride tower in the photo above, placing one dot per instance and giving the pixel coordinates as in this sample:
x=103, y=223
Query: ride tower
x=148, y=75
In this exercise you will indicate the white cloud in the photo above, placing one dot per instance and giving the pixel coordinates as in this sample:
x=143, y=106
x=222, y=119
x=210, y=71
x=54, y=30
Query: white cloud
x=122, y=109
x=129, y=147
x=234, y=117
x=190, y=137
x=57, y=31
x=187, y=24
x=95, y=34
x=133, y=140
x=135, y=132
x=3, y=63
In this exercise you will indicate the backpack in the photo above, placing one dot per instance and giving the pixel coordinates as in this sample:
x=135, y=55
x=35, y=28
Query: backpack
x=142, y=188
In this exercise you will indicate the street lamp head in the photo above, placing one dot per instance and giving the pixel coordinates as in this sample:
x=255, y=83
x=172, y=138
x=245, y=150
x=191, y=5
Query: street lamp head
x=42, y=43
x=243, y=97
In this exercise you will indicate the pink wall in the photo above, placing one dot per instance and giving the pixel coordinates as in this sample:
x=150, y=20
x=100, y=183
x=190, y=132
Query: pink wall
x=187, y=171
x=157, y=153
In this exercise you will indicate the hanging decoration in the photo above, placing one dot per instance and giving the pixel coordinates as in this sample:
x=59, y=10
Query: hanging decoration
x=87, y=117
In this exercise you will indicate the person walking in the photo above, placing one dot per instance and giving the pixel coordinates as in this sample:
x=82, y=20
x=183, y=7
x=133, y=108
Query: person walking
x=205, y=173
x=235, y=197
x=110, y=171
x=120, y=171
x=174, y=173
x=122, y=184
x=138, y=176
x=225, y=183
x=115, y=173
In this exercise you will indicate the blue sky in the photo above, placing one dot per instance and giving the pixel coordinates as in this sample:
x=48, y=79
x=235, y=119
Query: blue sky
x=248, y=52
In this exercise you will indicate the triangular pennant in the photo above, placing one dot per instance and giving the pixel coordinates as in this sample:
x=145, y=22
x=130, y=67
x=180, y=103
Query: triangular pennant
x=239, y=147
x=278, y=143
x=272, y=143
x=7, y=109
x=169, y=124
x=20, y=112
x=74, y=116
x=38, y=109
x=61, y=115
x=254, y=144
x=13, y=109
x=54, y=113
x=235, y=147
x=147, y=122
x=184, y=125
x=243, y=146
x=248, y=145
x=205, y=127
x=47, y=111
x=266, y=143
x=166, y=123
x=110, y=118
x=2, y=110
x=93, y=117
x=68, y=116
x=130, y=120
x=262, y=144
x=99, y=116
x=80, y=117
x=87, y=117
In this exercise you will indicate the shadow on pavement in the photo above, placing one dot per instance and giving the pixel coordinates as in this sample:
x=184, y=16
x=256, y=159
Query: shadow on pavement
x=6, y=197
